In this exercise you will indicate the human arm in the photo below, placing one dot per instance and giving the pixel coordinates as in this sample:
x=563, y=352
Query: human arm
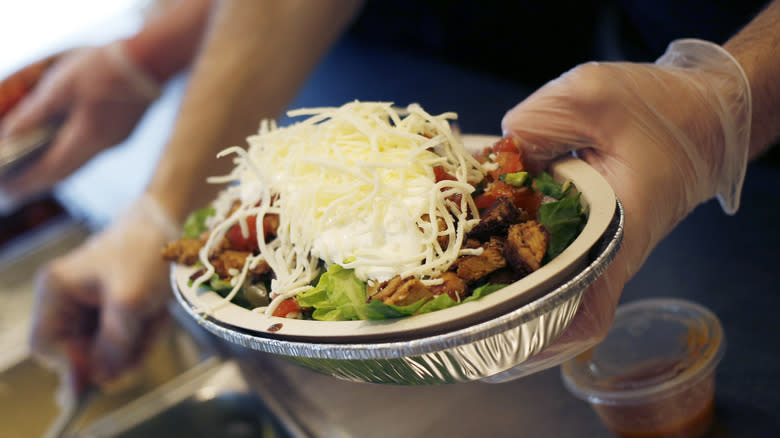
x=255, y=59
x=255, y=55
x=169, y=39
x=98, y=94
x=757, y=48
x=667, y=136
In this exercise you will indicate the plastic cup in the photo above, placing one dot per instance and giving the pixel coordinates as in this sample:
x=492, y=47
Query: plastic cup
x=654, y=374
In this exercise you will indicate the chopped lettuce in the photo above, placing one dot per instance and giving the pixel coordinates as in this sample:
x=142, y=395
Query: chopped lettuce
x=376, y=309
x=195, y=224
x=219, y=285
x=223, y=288
x=546, y=185
x=444, y=301
x=564, y=220
x=484, y=290
x=340, y=296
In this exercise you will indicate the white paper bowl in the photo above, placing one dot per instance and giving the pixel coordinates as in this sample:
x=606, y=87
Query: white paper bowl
x=597, y=198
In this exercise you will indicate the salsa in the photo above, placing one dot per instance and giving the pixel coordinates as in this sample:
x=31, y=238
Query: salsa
x=685, y=414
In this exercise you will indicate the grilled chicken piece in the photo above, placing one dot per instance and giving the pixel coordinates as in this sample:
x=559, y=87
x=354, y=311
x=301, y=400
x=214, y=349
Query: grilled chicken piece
x=471, y=244
x=401, y=292
x=497, y=219
x=441, y=225
x=183, y=251
x=473, y=267
x=270, y=225
x=231, y=259
x=453, y=286
x=505, y=275
x=526, y=245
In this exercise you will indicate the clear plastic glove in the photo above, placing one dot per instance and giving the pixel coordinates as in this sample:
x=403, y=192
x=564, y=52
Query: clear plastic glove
x=666, y=136
x=97, y=309
x=97, y=94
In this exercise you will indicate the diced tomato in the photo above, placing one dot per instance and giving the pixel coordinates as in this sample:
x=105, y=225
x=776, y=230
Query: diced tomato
x=522, y=197
x=497, y=189
x=484, y=200
x=507, y=156
x=441, y=174
x=239, y=241
x=528, y=200
x=249, y=243
x=286, y=307
x=506, y=144
x=508, y=162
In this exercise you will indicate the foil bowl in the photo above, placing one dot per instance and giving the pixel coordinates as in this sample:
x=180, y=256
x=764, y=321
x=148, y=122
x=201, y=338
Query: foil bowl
x=483, y=349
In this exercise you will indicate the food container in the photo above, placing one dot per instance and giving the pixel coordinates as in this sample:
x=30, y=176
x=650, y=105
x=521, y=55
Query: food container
x=471, y=353
x=468, y=342
x=654, y=374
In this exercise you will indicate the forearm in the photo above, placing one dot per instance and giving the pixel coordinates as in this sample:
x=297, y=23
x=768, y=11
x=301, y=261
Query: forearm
x=168, y=41
x=254, y=59
x=757, y=48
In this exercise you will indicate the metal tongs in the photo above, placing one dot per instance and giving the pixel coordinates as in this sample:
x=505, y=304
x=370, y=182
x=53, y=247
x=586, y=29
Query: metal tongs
x=62, y=427
x=19, y=150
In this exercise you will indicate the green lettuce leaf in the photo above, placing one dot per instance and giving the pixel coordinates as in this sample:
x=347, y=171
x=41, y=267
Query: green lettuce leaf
x=195, y=224
x=484, y=290
x=376, y=309
x=340, y=296
x=218, y=285
x=545, y=184
x=564, y=220
x=440, y=302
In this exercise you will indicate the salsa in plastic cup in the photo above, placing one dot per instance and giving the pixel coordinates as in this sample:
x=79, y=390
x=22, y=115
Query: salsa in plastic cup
x=653, y=375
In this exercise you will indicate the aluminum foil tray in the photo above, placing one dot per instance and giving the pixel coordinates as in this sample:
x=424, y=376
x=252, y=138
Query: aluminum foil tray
x=476, y=352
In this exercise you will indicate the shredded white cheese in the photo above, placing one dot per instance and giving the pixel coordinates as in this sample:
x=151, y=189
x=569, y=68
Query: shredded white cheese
x=352, y=185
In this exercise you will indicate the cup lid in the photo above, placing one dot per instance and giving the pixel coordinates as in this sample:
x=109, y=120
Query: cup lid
x=655, y=348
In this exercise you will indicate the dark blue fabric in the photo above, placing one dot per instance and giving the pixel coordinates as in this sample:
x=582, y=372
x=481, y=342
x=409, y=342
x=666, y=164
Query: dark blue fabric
x=535, y=41
x=651, y=25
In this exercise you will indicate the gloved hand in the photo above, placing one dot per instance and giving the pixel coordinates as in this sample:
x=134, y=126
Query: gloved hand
x=98, y=94
x=97, y=309
x=666, y=136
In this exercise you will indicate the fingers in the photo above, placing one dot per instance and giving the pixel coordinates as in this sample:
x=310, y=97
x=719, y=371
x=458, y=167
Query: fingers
x=46, y=102
x=64, y=323
x=585, y=108
x=78, y=378
x=116, y=341
x=86, y=333
x=122, y=341
x=547, y=122
x=69, y=150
